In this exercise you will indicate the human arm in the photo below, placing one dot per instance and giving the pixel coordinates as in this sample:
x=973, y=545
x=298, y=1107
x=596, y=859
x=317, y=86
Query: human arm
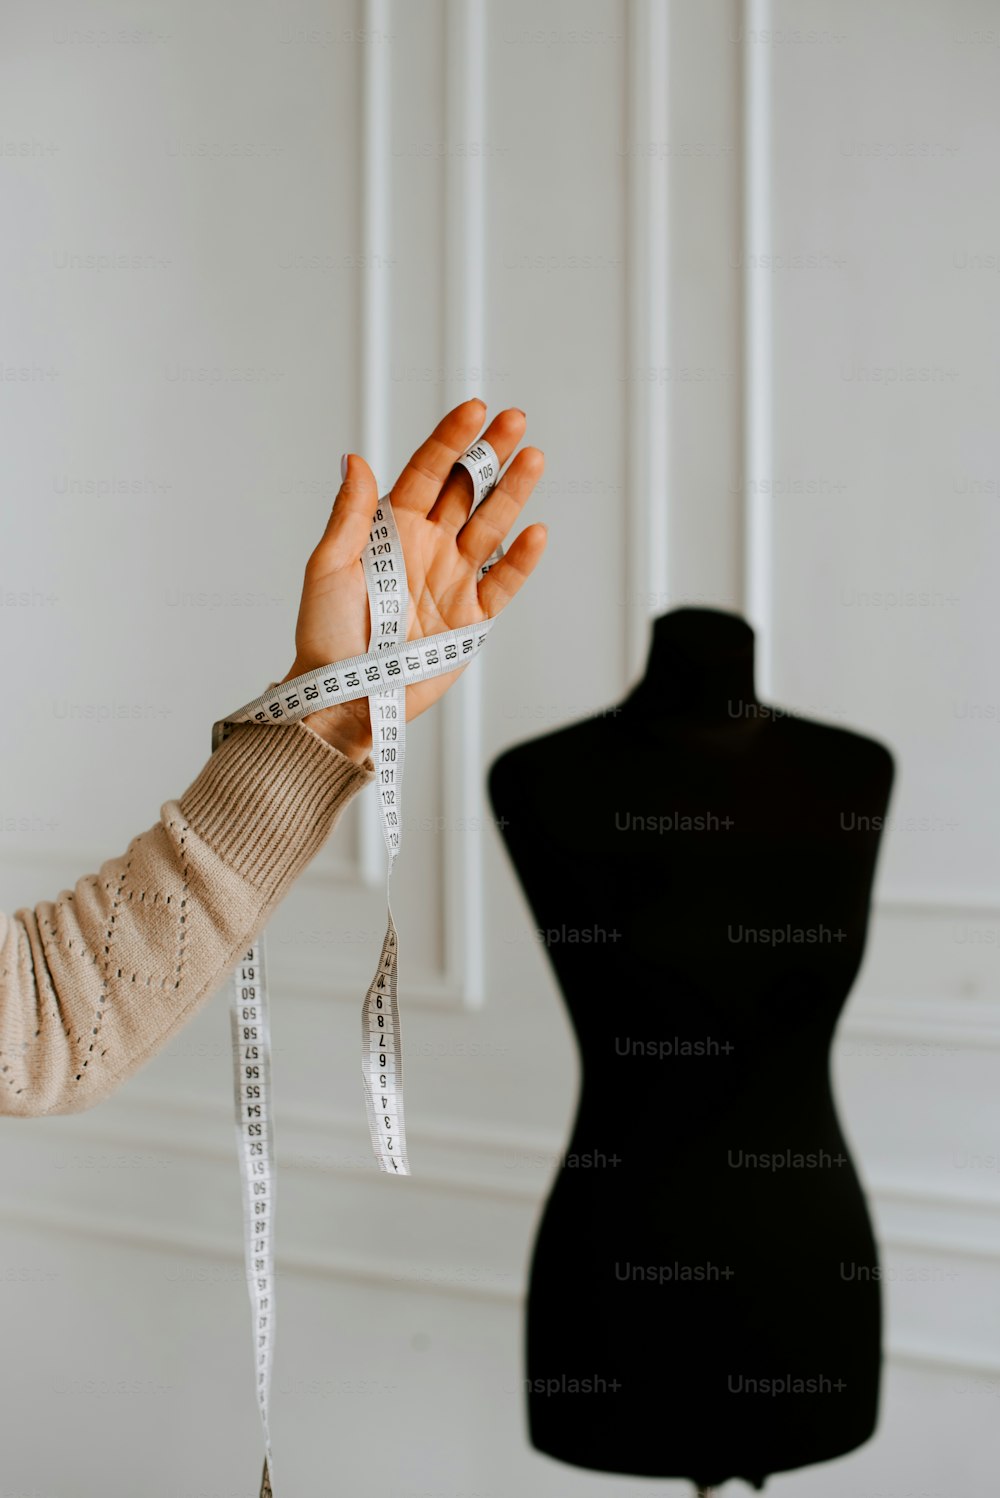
x=94, y=982
x=97, y=980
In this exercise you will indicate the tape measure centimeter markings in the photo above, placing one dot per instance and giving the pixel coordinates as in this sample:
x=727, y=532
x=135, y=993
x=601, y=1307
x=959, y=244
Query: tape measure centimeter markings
x=255, y=1148
x=382, y=673
x=381, y=1044
x=376, y=672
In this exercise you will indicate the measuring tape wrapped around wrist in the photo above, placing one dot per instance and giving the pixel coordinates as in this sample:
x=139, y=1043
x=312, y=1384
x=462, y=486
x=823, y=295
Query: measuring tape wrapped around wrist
x=381, y=674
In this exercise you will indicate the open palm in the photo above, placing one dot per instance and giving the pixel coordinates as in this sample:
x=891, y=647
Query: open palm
x=443, y=548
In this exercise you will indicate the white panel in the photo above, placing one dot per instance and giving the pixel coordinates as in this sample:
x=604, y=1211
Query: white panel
x=702, y=374
x=648, y=466
x=884, y=405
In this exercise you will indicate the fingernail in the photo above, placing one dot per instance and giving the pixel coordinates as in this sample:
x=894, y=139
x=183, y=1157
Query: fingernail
x=519, y=411
x=343, y=467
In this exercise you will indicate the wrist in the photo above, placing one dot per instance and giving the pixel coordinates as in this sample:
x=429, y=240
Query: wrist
x=344, y=727
x=338, y=735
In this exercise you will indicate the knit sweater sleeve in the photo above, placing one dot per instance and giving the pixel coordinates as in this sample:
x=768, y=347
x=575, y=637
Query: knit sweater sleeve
x=96, y=981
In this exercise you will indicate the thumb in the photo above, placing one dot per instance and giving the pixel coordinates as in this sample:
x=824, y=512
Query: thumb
x=350, y=522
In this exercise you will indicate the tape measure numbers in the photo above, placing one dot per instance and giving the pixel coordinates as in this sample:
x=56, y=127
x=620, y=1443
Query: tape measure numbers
x=381, y=674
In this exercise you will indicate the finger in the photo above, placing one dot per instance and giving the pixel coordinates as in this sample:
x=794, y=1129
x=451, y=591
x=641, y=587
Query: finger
x=419, y=484
x=349, y=526
x=451, y=508
x=490, y=522
x=512, y=571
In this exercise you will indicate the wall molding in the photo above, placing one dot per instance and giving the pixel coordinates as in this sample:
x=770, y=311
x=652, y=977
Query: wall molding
x=496, y=1286
x=943, y=1358
x=480, y=1190
x=464, y=341
x=939, y=1357
x=944, y=902
x=374, y=294
x=330, y=1264
x=454, y=1158
x=758, y=328
x=462, y=980
x=471, y=1162
x=647, y=409
x=965, y=1023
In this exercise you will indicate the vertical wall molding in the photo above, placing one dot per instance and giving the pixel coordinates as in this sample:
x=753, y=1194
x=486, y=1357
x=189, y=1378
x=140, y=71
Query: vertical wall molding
x=464, y=341
x=374, y=293
x=463, y=303
x=646, y=291
x=758, y=374
x=464, y=338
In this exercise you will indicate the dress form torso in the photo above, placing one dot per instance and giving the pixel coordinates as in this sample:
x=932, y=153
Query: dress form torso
x=706, y=1236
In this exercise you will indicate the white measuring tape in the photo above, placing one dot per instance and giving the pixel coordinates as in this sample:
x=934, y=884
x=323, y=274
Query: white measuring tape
x=381, y=674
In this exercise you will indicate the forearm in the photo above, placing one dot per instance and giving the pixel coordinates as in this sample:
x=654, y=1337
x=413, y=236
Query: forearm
x=95, y=982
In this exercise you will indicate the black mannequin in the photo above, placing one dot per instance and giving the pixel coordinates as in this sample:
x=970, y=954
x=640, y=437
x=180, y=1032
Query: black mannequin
x=675, y=1257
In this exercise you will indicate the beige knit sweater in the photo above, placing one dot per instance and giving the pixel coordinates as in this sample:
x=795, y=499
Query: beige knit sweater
x=93, y=983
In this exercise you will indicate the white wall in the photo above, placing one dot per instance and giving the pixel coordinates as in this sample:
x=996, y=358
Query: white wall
x=374, y=210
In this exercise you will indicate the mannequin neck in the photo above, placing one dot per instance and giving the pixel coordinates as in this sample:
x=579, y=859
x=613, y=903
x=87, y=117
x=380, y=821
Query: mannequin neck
x=699, y=672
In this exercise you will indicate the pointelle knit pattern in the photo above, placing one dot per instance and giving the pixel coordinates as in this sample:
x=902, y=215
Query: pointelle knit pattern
x=93, y=983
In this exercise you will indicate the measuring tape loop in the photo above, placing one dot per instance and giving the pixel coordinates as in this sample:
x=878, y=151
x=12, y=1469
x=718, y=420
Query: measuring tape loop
x=382, y=674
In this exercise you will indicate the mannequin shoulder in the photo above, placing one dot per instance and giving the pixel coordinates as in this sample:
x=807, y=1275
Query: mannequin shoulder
x=855, y=755
x=527, y=771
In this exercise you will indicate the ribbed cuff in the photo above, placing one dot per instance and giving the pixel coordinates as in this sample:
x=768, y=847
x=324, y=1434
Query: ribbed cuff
x=268, y=797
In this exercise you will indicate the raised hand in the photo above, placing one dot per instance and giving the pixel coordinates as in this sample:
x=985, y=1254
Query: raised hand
x=443, y=547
